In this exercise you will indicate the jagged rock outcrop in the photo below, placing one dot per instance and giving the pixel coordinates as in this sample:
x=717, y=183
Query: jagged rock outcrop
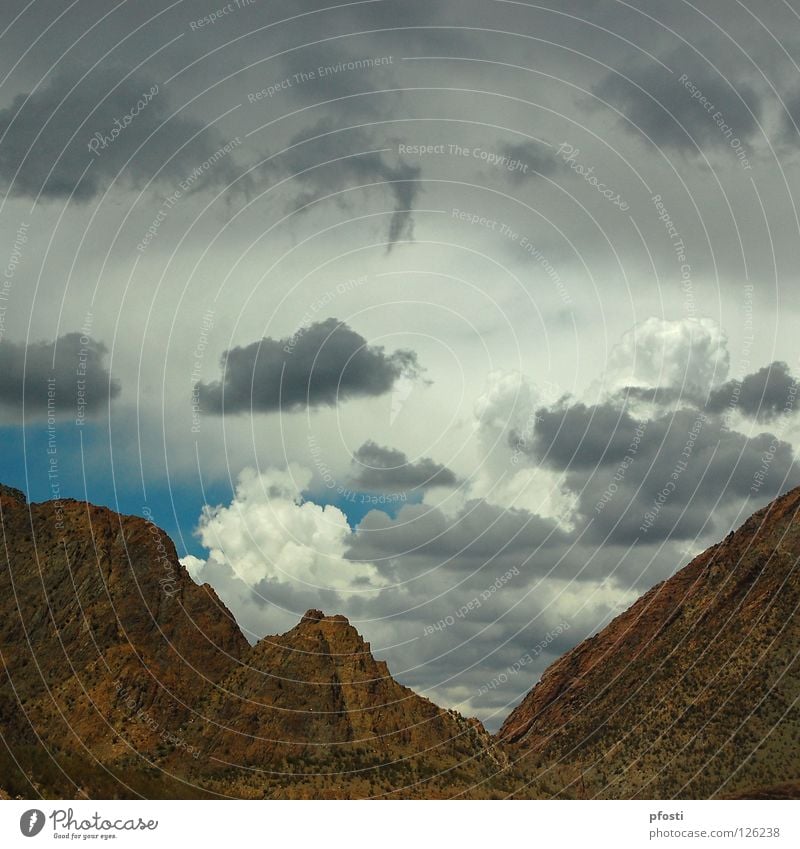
x=14, y=494
x=315, y=702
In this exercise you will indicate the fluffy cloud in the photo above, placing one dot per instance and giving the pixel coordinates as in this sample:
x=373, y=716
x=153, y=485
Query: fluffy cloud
x=320, y=365
x=505, y=416
x=76, y=365
x=268, y=550
x=671, y=468
x=689, y=356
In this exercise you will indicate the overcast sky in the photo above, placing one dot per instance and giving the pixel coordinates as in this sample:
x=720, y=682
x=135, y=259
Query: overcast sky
x=470, y=320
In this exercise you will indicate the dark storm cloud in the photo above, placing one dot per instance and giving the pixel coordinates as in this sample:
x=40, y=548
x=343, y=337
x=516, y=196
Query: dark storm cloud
x=763, y=395
x=686, y=109
x=81, y=384
x=383, y=469
x=118, y=128
x=790, y=120
x=481, y=533
x=667, y=477
x=579, y=437
x=536, y=158
x=320, y=365
x=359, y=160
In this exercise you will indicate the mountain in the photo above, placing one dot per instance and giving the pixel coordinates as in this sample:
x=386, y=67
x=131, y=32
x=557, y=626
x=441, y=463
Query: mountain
x=311, y=712
x=121, y=676
x=105, y=643
x=693, y=692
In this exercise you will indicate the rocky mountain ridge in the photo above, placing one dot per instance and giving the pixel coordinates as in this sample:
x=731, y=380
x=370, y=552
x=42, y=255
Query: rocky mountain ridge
x=121, y=677
x=694, y=691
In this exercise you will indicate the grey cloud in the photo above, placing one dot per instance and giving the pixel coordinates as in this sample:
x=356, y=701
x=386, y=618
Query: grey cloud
x=47, y=133
x=790, y=120
x=670, y=477
x=659, y=105
x=481, y=533
x=579, y=437
x=537, y=158
x=74, y=363
x=763, y=395
x=383, y=469
x=322, y=364
x=358, y=162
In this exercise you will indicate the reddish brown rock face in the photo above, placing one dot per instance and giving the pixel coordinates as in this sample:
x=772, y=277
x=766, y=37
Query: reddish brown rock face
x=315, y=701
x=693, y=691
x=106, y=642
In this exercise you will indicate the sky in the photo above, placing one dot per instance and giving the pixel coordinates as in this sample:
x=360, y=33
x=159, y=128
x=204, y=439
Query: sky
x=469, y=320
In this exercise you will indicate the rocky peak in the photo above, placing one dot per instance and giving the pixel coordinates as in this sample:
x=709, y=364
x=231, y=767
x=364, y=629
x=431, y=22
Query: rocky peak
x=99, y=620
x=11, y=492
x=315, y=698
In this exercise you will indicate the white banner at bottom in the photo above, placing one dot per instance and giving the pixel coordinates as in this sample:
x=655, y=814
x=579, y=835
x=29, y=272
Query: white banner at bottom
x=386, y=824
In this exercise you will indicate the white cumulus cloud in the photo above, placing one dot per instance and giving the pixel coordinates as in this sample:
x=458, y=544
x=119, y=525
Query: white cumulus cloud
x=269, y=550
x=690, y=355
